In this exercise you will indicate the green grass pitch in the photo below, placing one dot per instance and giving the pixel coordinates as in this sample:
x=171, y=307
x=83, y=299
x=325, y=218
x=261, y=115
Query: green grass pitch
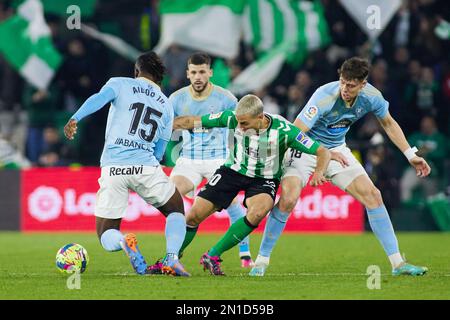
x=302, y=267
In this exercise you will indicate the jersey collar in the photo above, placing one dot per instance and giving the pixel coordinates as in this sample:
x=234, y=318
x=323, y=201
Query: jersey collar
x=149, y=81
x=270, y=123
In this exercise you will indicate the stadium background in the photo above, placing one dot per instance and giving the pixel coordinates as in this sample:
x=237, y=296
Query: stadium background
x=410, y=67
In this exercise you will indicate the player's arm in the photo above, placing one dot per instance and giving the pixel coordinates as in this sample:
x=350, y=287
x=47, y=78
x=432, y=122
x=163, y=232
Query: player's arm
x=396, y=135
x=186, y=122
x=91, y=105
x=300, y=141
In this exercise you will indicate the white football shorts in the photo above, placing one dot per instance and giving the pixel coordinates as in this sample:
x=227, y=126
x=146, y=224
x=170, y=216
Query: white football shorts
x=150, y=183
x=195, y=170
x=304, y=166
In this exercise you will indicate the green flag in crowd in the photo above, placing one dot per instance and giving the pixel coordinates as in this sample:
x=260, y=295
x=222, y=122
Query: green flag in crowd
x=213, y=26
x=59, y=7
x=26, y=44
x=281, y=31
x=270, y=23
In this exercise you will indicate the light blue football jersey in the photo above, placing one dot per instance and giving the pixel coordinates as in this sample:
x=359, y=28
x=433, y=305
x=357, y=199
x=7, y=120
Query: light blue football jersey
x=139, y=116
x=328, y=117
x=202, y=143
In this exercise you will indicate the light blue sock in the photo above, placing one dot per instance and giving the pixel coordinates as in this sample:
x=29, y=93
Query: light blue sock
x=110, y=240
x=235, y=212
x=382, y=228
x=175, y=232
x=274, y=227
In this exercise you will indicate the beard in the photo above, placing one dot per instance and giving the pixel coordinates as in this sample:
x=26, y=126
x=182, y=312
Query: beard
x=199, y=88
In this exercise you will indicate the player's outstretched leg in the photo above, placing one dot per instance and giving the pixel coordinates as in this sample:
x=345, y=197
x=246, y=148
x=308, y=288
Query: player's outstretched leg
x=235, y=211
x=237, y=231
x=175, y=235
x=363, y=189
x=112, y=240
x=130, y=246
x=382, y=228
x=156, y=268
x=276, y=221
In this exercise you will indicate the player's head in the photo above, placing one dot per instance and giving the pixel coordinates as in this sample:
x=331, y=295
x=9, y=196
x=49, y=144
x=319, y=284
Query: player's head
x=249, y=113
x=353, y=77
x=199, y=71
x=149, y=65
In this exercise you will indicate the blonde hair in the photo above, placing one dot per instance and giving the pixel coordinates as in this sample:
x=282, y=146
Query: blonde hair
x=249, y=104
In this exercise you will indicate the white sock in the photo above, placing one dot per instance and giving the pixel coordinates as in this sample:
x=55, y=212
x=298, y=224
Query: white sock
x=261, y=260
x=396, y=260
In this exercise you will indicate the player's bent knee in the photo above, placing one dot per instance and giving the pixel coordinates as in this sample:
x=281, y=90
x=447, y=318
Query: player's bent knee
x=256, y=214
x=193, y=219
x=373, y=198
x=287, y=204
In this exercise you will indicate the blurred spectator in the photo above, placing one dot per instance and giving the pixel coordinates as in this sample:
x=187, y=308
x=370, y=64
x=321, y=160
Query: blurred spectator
x=432, y=146
x=379, y=78
x=294, y=104
x=41, y=106
x=378, y=159
x=270, y=104
x=78, y=75
x=54, y=152
x=175, y=61
x=421, y=97
x=10, y=157
x=402, y=29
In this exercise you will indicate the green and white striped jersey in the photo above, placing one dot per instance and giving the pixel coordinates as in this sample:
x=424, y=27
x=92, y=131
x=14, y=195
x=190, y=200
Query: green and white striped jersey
x=260, y=155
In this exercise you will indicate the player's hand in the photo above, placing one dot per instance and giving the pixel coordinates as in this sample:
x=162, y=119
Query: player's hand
x=339, y=157
x=317, y=179
x=70, y=129
x=421, y=166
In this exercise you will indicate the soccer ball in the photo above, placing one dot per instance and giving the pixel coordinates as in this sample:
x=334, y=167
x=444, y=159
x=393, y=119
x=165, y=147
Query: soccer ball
x=72, y=258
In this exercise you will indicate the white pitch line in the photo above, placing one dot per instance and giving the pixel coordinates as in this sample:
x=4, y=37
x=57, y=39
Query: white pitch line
x=268, y=275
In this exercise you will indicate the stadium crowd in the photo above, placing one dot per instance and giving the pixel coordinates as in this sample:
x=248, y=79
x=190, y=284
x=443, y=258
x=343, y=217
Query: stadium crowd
x=410, y=66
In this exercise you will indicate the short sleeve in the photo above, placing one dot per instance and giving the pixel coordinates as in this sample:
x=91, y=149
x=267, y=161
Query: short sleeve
x=114, y=84
x=311, y=112
x=380, y=106
x=221, y=119
x=300, y=141
x=230, y=102
x=173, y=99
x=168, y=121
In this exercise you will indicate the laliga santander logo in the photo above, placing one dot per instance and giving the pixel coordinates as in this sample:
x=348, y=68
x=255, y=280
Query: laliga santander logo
x=317, y=205
x=47, y=204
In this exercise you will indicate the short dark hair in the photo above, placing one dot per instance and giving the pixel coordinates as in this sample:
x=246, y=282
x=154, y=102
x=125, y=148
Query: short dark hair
x=355, y=68
x=199, y=58
x=151, y=64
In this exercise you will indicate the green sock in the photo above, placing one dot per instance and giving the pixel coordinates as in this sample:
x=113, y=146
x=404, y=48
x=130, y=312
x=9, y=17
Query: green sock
x=190, y=234
x=237, y=231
